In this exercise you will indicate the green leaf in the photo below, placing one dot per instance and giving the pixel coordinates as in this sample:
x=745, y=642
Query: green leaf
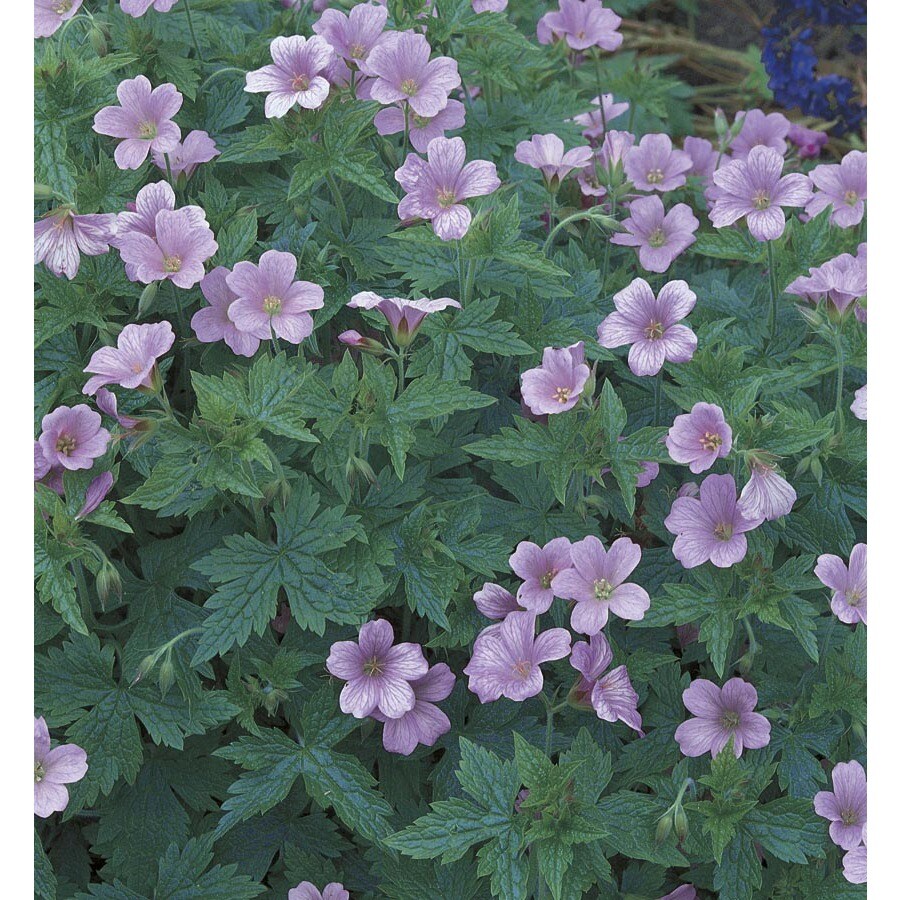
x=788, y=829
x=44, y=877
x=429, y=397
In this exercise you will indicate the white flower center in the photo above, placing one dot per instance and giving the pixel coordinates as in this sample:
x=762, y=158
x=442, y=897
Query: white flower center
x=65, y=444
x=148, y=130
x=657, y=238
x=655, y=176
x=172, y=263
x=603, y=590
x=761, y=200
x=562, y=394
x=272, y=305
x=410, y=87
x=710, y=441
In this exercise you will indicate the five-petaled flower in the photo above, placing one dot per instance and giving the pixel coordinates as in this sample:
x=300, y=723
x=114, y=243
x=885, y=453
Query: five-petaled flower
x=848, y=582
x=556, y=384
x=845, y=806
x=53, y=770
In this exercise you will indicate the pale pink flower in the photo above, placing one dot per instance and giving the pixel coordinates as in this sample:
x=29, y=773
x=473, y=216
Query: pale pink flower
x=61, y=236
x=295, y=77
x=555, y=385
x=211, y=323
x=537, y=567
x=132, y=362
x=185, y=157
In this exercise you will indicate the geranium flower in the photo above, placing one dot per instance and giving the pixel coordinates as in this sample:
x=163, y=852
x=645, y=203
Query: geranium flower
x=306, y=890
x=555, y=385
x=132, y=362
x=353, y=36
x=610, y=694
x=546, y=152
x=760, y=129
x=61, y=236
x=654, y=165
x=481, y=6
x=537, y=567
x=212, y=323
x=660, y=236
x=849, y=583
x=700, y=437
x=95, y=494
x=422, y=130
x=840, y=281
x=492, y=601
x=845, y=806
x=73, y=437
x=50, y=14
x=404, y=316
x=53, y=770
x=184, y=158
x=856, y=861
x=860, y=406
x=593, y=121
x=767, y=494
x=137, y=8
x=143, y=120
x=296, y=76
x=808, y=141
x=842, y=187
x=583, y=24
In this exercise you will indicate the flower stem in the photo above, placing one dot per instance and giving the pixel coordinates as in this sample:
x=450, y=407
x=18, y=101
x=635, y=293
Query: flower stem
x=773, y=290
x=839, y=392
x=216, y=74
x=551, y=212
x=338, y=200
x=401, y=371
x=657, y=396
x=169, y=170
x=460, y=272
x=600, y=90
x=190, y=21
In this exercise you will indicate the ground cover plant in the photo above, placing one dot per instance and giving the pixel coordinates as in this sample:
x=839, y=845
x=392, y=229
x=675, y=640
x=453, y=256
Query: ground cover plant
x=449, y=452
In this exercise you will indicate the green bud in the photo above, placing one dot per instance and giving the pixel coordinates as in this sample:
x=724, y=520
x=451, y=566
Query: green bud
x=148, y=295
x=98, y=39
x=664, y=827
x=166, y=674
x=145, y=668
x=42, y=191
x=721, y=123
x=108, y=582
x=681, y=823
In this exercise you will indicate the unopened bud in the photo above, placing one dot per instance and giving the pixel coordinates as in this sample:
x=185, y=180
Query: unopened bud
x=148, y=295
x=681, y=823
x=664, y=827
x=42, y=191
x=166, y=674
x=721, y=123
x=145, y=668
x=98, y=36
x=108, y=582
x=367, y=345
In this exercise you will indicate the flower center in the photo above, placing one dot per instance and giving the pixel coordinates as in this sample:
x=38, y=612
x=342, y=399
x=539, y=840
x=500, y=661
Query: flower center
x=723, y=531
x=710, y=441
x=851, y=198
x=373, y=667
x=849, y=817
x=419, y=121
x=300, y=82
x=409, y=87
x=761, y=200
x=562, y=394
x=357, y=51
x=522, y=668
x=657, y=238
x=172, y=263
x=731, y=720
x=853, y=598
x=655, y=176
x=546, y=578
x=446, y=198
x=654, y=331
x=148, y=130
x=65, y=444
x=272, y=305
x=62, y=6
x=39, y=772
x=603, y=589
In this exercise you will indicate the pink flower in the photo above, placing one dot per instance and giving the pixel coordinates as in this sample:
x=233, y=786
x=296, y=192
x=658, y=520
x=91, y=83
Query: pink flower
x=660, y=236
x=546, y=152
x=436, y=187
x=583, y=24
x=492, y=600
x=296, y=76
x=593, y=121
x=856, y=861
x=42, y=467
x=481, y=6
x=842, y=187
x=184, y=158
x=404, y=316
x=845, y=807
x=143, y=120
x=95, y=494
x=353, y=36
x=377, y=671
x=754, y=187
x=306, y=890
x=840, y=281
x=270, y=301
x=212, y=323
x=50, y=14
x=422, y=130
x=53, y=770
x=402, y=71
x=651, y=325
x=137, y=8
x=699, y=437
x=506, y=658
x=860, y=405
x=132, y=362
x=760, y=129
x=849, y=584
x=721, y=713
x=424, y=723
x=596, y=582
x=61, y=236
x=767, y=494
x=107, y=403
x=703, y=157
x=72, y=437
x=808, y=141
x=537, y=567
x=611, y=695
x=653, y=165
x=555, y=385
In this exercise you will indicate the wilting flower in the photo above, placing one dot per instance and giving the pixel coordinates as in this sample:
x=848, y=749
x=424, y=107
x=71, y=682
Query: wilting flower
x=506, y=658
x=306, y=890
x=143, y=120
x=184, y=158
x=422, y=130
x=654, y=165
x=593, y=121
x=493, y=600
x=481, y=6
x=546, y=152
x=137, y=8
x=95, y=494
x=860, y=406
x=611, y=695
x=353, y=36
x=53, y=770
x=849, y=583
x=840, y=281
x=842, y=186
x=845, y=807
x=402, y=70
x=295, y=77
x=132, y=362
x=754, y=187
x=73, y=437
x=436, y=187
x=61, y=236
x=722, y=713
x=107, y=403
x=651, y=325
x=212, y=323
x=660, y=236
x=760, y=129
x=537, y=567
x=808, y=141
x=712, y=528
x=404, y=316
x=767, y=494
x=269, y=300
x=377, y=671
x=354, y=339
x=596, y=582
x=583, y=24
x=424, y=723
x=50, y=14
x=556, y=385
x=700, y=437
x=856, y=861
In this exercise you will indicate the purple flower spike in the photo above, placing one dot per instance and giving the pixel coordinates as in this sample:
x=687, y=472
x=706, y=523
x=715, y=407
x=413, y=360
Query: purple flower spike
x=50, y=14
x=611, y=695
x=404, y=316
x=650, y=324
x=700, y=437
x=760, y=129
x=353, y=36
x=754, y=187
x=808, y=142
x=583, y=24
x=547, y=153
x=593, y=121
x=767, y=494
x=377, y=671
x=537, y=567
x=660, y=236
x=132, y=362
x=137, y=8
x=721, y=713
x=849, y=583
x=402, y=70
x=61, y=236
x=596, y=582
x=95, y=495
x=212, y=323
x=269, y=300
x=422, y=130
x=843, y=188
x=53, y=770
x=296, y=76
x=506, y=658
x=306, y=890
x=184, y=158
x=424, y=723
x=72, y=437
x=654, y=165
x=492, y=601
x=712, y=528
x=436, y=187
x=143, y=120
x=845, y=807
x=860, y=405
x=555, y=385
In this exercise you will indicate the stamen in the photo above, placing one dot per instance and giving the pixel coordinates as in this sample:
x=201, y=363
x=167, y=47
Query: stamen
x=603, y=590
x=65, y=444
x=562, y=394
x=272, y=305
x=761, y=200
x=657, y=238
x=655, y=176
x=172, y=263
x=409, y=87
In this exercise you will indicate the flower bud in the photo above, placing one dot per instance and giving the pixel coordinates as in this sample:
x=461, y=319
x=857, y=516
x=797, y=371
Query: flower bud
x=664, y=827
x=148, y=295
x=43, y=191
x=108, y=582
x=367, y=345
x=681, y=823
x=98, y=37
x=166, y=676
x=145, y=668
x=721, y=123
